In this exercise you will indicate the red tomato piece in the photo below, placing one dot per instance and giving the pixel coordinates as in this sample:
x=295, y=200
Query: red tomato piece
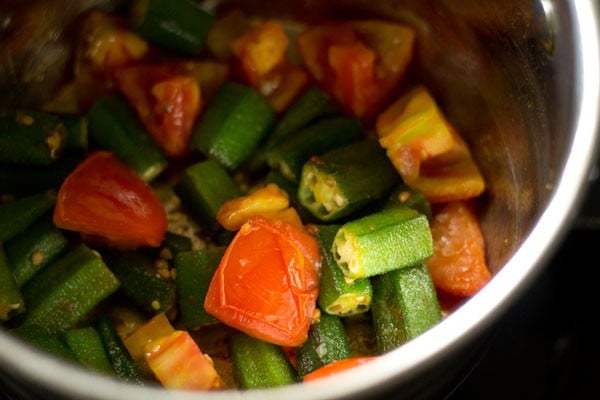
x=166, y=100
x=337, y=367
x=360, y=63
x=354, y=81
x=267, y=282
x=108, y=202
x=457, y=266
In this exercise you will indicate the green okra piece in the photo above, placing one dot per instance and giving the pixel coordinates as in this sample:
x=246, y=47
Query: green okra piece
x=195, y=270
x=404, y=195
x=77, y=140
x=120, y=359
x=31, y=137
x=45, y=341
x=327, y=342
x=313, y=103
x=114, y=126
x=88, y=349
x=35, y=248
x=30, y=179
x=404, y=305
x=203, y=188
x=346, y=179
x=179, y=25
x=142, y=281
x=233, y=124
x=337, y=294
x=176, y=242
x=324, y=135
x=11, y=298
x=17, y=215
x=65, y=292
x=383, y=241
x=259, y=364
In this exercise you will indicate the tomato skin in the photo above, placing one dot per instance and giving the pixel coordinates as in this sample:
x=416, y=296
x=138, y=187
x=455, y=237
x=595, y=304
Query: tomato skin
x=336, y=367
x=106, y=201
x=457, y=266
x=267, y=282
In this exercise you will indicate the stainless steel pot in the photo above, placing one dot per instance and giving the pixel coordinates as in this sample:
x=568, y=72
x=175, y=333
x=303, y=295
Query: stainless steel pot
x=520, y=79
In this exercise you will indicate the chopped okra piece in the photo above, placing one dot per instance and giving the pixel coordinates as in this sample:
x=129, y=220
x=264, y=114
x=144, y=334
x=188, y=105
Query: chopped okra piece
x=41, y=339
x=258, y=364
x=66, y=291
x=203, y=188
x=144, y=280
x=194, y=273
x=327, y=342
x=11, y=298
x=31, y=137
x=88, y=348
x=35, y=248
x=320, y=137
x=120, y=359
x=77, y=140
x=312, y=104
x=338, y=295
x=383, y=241
x=404, y=305
x=180, y=25
x=17, y=215
x=233, y=124
x=404, y=195
x=175, y=243
x=114, y=126
x=347, y=179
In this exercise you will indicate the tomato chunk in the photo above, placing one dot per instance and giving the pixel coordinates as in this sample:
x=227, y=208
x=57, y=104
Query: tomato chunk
x=267, y=282
x=167, y=101
x=178, y=363
x=337, y=367
x=458, y=265
x=107, y=202
x=360, y=63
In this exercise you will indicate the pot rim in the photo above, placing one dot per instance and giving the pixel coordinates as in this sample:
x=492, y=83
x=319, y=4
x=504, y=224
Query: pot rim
x=403, y=363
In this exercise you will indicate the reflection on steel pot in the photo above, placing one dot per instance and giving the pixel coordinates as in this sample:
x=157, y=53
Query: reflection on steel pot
x=519, y=79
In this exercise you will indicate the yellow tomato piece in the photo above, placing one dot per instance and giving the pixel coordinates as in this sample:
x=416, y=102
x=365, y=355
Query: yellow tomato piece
x=267, y=200
x=289, y=215
x=261, y=49
x=155, y=328
x=110, y=46
x=451, y=176
x=413, y=130
x=178, y=363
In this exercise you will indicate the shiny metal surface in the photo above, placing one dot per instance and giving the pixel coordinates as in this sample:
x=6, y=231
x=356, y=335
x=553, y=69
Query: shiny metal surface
x=520, y=79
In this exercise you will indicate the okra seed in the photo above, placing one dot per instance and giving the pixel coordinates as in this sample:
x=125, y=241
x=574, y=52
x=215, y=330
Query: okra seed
x=161, y=264
x=25, y=119
x=404, y=196
x=316, y=315
x=37, y=257
x=166, y=253
x=53, y=141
